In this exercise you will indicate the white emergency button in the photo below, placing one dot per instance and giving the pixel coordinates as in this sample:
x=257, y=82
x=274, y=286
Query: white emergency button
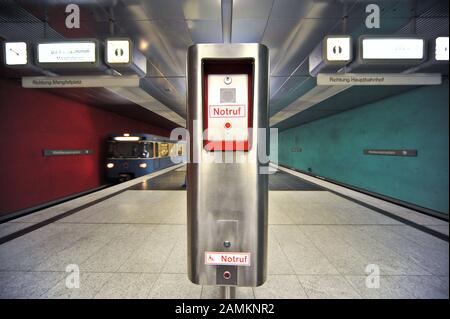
x=227, y=80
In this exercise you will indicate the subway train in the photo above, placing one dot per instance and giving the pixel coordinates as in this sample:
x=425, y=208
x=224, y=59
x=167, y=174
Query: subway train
x=133, y=155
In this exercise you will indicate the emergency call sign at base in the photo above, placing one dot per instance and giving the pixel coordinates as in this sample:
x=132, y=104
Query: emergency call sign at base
x=230, y=259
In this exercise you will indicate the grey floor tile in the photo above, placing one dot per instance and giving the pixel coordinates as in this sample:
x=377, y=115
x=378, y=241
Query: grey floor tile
x=403, y=287
x=434, y=262
x=434, y=245
x=27, y=284
x=30, y=250
x=277, y=261
x=176, y=286
x=280, y=287
x=374, y=252
x=425, y=287
x=154, y=251
x=117, y=251
x=127, y=286
x=277, y=211
x=340, y=253
x=328, y=287
x=389, y=288
x=303, y=256
x=82, y=249
x=176, y=263
x=215, y=292
x=90, y=284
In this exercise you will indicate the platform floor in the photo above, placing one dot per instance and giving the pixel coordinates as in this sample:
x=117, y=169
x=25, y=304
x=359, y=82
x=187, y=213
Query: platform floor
x=133, y=245
x=175, y=180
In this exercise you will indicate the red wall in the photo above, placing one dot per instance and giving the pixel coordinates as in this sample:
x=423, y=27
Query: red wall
x=32, y=120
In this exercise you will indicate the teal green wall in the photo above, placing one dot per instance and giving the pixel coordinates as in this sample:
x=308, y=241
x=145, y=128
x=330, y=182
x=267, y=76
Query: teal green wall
x=418, y=119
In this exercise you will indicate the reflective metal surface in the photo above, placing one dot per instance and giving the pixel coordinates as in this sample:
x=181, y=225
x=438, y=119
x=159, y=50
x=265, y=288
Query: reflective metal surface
x=227, y=201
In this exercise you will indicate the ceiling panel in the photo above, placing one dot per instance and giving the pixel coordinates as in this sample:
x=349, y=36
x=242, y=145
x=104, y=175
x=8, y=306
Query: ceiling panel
x=291, y=41
x=127, y=10
x=164, y=42
x=310, y=9
x=205, y=31
x=292, y=88
x=248, y=30
x=201, y=9
x=169, y=91
x=252, y=9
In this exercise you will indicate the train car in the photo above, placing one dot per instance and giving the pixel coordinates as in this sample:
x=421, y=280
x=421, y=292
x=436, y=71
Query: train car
x=133, y=155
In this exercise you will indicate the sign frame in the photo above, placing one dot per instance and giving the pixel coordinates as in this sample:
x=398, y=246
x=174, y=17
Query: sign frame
x=230, y=67
x=130, y=53
x=66, y=152
x=68, y=65
x=80, y=81
x=17, y=66
x=246, y=255
x=372, y=79
x=337, y=62
x=391, y=152
x=393, y=62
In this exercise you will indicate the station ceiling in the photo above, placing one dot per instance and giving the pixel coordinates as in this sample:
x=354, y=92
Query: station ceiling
x=163, y=30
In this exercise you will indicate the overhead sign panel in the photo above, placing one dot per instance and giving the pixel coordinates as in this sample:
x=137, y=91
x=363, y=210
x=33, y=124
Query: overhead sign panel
x=393, y=48
x=16, y=53
x=71, y=53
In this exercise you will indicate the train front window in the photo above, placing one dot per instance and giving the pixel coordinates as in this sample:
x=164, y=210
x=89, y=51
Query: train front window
x=127, y=150
x=163, y=149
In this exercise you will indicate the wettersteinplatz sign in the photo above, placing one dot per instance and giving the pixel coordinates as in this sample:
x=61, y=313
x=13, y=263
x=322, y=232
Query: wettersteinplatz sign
x=67, y=53
x=379, y=79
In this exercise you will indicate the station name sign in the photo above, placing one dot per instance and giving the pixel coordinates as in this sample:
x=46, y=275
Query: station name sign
x=67, y=152
x=412, y=153
x=67, y=52
x=379, y=79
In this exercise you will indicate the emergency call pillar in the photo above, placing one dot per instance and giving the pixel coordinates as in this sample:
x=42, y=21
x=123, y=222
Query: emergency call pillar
x=227, y=199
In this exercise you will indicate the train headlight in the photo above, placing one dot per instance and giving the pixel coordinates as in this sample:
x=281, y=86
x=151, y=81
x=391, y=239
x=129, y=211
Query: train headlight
x=143, y=165
x=110, y=165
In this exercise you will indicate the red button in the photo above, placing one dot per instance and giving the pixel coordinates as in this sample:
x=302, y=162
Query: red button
x=227, y=125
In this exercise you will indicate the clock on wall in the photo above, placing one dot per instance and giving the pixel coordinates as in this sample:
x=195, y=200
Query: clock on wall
x=16, y=53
